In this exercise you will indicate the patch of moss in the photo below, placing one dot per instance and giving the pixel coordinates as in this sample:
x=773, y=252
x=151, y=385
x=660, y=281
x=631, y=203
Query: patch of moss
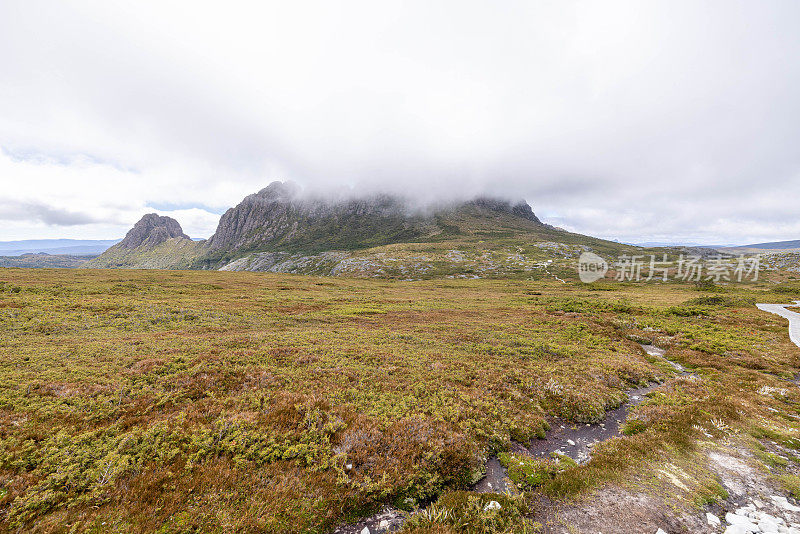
x=791, y=483
x=528, y=472
x=710, y=492
x=771, y=460
x=633, y=426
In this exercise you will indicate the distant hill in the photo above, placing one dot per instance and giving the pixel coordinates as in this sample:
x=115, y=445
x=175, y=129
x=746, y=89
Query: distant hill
x=677, y=244
x=777, y=245
x=43, y=260
x=280, y=230
x=73, y=247
x=774, y=246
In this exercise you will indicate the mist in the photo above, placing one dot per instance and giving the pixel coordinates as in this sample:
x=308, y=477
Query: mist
x=649, y=121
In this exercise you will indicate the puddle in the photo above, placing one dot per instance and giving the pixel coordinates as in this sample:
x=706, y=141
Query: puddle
x=652, y=350
x=495, y=480
x=577, y=440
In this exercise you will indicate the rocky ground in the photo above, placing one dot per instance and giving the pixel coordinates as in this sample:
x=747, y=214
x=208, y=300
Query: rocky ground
x=785, y=261
x=410, y=265
x=387, y=520
x=755, y=504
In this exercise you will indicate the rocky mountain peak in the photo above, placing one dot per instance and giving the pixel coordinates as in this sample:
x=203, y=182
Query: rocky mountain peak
x=519, y=208
x=278, y=191
x=151, y=230
x=281, y=217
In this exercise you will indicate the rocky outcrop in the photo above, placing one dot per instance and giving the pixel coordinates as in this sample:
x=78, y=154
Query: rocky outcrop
x=520, y=209
x=279, y=218
x=152, y=230
x=155, y=242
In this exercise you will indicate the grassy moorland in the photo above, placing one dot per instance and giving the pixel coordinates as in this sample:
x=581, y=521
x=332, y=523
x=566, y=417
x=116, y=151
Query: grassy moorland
x=184, y=401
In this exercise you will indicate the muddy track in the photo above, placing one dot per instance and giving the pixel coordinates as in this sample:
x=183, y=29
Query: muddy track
x=573, y=440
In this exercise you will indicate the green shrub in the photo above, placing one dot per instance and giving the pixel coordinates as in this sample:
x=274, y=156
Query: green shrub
x=685, y=311
x=705, y=285
x=785, y=289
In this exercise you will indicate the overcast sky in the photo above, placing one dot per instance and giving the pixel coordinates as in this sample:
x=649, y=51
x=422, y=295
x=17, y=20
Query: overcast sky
x=637, y=121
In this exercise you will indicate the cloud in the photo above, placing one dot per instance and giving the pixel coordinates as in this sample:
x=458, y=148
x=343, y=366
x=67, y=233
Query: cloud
x=623, y=119
x=37, y=211
x=81, y=197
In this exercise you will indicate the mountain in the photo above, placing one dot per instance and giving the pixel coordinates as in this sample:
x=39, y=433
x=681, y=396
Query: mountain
x=77, y=247
x=152, y=230
x=279, y=229
x=155, y=242
x=278, y=219
x=677, y=244
x=775, y=246
x=781, y=245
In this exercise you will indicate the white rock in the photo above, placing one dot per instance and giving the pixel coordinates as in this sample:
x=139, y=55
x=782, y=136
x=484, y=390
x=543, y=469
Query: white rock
x=384, y=525
x=365, y=530
x=772, y=518
x=659, y=531
x=348, y=467
x=713, y=520
x=768, y=526
x=492, y=505
x=781, y=502
x=735, y=519
x=740, y=521
x=570, y=442
x=758, y=503
x=738, y=529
